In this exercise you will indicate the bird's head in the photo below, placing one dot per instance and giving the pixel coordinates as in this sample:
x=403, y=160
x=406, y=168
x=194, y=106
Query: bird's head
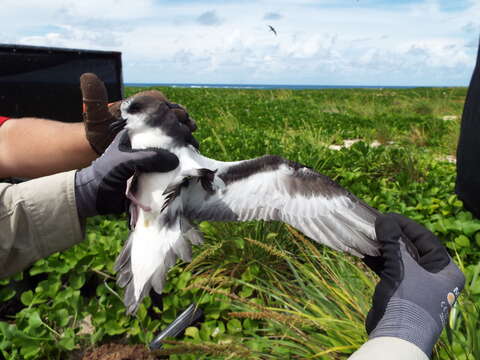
x=157, y=122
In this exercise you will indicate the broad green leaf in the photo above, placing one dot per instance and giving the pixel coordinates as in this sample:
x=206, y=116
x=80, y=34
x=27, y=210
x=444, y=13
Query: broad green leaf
x=183, y=279
x=462, y=241
x=234, y=326
x=239, y=242
x=477, y=238
x=27, y=297
x=34, y=320
x=249, y=324
x=30, y=350
x=192, y=332
x=113, y=328
x=67, y=341
x=77, y=280
x=475, y=288
x=470, y=227
x=141, y=312
x=62, y=317
x=6, y=294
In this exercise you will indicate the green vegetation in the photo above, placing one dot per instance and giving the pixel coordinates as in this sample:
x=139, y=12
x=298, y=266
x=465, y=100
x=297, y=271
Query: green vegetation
x=266, y=291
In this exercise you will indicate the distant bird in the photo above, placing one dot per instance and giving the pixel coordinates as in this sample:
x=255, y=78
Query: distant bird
x=272, y=29
x=164, y=205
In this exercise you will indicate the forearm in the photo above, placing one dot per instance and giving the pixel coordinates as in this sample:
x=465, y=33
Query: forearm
x=32, y=147
x=37, y=218
x=391, y=348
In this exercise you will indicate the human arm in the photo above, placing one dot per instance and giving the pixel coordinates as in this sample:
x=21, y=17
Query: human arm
x=419, y=283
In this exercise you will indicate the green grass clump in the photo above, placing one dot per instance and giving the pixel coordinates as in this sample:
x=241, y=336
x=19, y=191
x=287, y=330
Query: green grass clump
x=266, y=291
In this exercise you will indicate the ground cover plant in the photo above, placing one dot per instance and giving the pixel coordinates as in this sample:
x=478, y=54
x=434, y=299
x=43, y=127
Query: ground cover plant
x=266, y=291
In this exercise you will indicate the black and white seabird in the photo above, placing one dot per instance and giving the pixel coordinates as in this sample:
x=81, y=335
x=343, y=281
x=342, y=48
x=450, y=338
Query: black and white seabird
x=266, y=188
x=272, y=29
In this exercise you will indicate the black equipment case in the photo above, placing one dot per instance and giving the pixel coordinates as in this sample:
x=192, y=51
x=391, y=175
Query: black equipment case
x=44, y=82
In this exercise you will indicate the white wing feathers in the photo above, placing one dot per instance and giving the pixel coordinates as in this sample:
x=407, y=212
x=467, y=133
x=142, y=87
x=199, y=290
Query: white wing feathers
x=272, y=188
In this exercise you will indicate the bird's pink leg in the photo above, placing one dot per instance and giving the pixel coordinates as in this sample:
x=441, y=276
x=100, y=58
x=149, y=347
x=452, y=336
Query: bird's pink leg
x=135, y=201
x=135, y=204
x=129, y=194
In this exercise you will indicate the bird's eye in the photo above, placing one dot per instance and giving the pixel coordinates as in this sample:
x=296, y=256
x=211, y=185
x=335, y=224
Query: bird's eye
x=134, y=108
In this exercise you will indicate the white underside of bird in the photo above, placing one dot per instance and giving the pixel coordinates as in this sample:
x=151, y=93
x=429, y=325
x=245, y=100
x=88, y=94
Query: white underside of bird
x=200, y=188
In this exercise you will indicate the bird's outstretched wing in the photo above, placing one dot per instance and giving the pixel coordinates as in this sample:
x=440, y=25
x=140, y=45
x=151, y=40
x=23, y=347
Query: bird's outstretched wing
x=273, y=188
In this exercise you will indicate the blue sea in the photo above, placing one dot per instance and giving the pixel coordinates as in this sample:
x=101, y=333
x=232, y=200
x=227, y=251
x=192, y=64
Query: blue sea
x=269, y=86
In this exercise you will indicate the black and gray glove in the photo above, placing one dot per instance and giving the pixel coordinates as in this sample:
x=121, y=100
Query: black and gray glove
x=419, y=283
x=100, y=188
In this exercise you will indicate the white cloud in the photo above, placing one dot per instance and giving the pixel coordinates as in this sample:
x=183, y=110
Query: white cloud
x=69, y=36
x=318, y=42
x=85, y=9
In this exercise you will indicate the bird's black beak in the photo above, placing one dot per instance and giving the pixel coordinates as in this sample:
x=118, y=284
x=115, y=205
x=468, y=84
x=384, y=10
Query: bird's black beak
x=118, y=125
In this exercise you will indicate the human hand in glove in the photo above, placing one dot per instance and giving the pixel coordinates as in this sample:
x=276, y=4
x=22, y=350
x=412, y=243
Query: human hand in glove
x=419, y=283
x=100, y=188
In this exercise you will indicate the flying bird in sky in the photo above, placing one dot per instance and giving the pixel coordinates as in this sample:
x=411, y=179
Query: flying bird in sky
x=165, y=205
x=272, y=29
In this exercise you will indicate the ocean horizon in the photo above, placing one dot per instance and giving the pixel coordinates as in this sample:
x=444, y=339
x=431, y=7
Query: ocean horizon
x=275, y=86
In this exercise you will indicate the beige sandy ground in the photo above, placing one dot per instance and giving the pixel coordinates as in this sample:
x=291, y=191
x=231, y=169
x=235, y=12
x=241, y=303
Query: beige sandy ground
x=349, y=142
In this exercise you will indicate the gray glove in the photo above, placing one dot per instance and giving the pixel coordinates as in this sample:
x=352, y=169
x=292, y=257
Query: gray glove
x=100, y=188
x=419, y=283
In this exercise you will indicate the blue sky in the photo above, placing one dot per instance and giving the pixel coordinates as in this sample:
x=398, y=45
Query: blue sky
x=323, y=42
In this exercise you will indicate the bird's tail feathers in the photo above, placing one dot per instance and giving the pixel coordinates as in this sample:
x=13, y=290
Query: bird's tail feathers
x=160, y=275
x=124, y=258
x=155, y=253
x=123, y=268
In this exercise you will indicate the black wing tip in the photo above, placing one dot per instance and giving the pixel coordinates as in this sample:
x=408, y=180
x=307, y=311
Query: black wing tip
x=206, y=177
x=171, y=193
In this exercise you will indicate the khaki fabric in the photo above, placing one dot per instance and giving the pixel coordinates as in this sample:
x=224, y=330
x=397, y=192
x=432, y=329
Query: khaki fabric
x=390, y=348
x=37, y=218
